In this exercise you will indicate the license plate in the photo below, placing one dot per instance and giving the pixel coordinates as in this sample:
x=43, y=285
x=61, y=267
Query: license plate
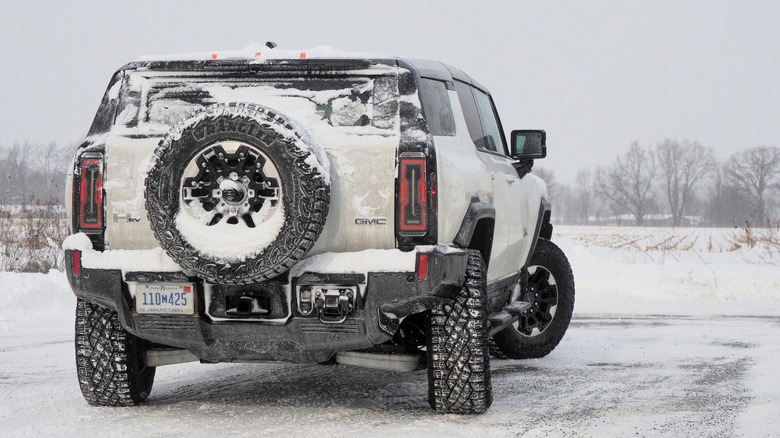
x=165, y=298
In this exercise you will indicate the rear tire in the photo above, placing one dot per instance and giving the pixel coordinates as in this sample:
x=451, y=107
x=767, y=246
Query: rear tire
x=550, y=281
x=109, y=360
x=458, y=354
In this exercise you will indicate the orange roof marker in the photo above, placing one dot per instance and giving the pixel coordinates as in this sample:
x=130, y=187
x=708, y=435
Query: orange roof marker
x=303, y=55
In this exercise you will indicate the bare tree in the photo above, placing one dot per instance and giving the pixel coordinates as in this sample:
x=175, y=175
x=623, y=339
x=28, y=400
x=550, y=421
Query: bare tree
x=52, y=163
x=583, y=196
x=14, y=172
x=548, y=176
x=755, y=173
x=627, y=183
x=683, y=164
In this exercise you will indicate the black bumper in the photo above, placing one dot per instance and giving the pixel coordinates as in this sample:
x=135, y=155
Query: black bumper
x=388, y=297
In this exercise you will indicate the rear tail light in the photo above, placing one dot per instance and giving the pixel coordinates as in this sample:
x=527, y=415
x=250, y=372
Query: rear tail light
x=422, y=267
x=76, y=263
x=91, y=193
x=414, y=197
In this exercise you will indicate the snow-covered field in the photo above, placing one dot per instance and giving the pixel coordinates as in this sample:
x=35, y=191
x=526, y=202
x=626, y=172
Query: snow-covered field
x=668, y=339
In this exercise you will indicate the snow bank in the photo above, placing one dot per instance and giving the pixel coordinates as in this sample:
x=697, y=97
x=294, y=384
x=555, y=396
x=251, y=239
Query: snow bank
x=26, y=297
x=614, y=278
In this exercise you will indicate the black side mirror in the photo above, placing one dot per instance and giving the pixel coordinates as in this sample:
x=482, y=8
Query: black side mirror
x=529, y=144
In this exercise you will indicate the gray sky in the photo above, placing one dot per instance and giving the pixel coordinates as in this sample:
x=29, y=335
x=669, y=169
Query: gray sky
x=596, y=75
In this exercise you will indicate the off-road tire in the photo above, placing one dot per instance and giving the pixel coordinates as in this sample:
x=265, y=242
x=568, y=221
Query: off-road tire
x=495, y=351
x=305, y=186
x=109, y=360
x=457, y=350
x=510, y=342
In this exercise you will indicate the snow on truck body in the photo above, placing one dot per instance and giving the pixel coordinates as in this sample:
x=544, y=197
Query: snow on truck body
x=149, y=102
x=309, y=209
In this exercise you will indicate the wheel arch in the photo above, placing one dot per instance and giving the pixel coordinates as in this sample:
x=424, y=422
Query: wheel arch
x=543, y=228
x=476, y=229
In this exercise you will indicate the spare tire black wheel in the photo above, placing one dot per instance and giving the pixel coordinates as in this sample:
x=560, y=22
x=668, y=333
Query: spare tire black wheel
x=237, y=194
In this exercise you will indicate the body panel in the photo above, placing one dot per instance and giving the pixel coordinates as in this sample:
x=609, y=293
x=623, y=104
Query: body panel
x=362, y=158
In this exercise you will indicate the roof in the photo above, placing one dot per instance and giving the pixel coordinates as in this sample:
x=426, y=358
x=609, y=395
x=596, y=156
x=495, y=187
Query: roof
x=267, y=57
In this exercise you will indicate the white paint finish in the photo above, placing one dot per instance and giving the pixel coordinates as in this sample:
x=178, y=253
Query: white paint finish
x=126, y=163
x=461, y=175
x=362, y=186
x=497, y=267
x=528, y=193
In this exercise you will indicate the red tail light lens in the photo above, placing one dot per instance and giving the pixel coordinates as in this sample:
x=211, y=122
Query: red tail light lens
x=413, y=195
x=77, y=263
x=422, y=267
x=91, y=194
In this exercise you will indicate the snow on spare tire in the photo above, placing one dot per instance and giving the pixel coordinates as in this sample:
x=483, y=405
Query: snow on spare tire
x=237, y=193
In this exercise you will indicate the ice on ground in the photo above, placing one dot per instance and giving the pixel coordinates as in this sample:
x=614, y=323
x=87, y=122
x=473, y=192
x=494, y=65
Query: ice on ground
x=661, y=344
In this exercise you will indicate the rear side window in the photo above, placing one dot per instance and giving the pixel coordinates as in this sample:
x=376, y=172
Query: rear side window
x=436, y=105
x=469, y=107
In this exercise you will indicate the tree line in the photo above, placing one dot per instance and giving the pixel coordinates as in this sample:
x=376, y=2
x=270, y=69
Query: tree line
x=675, y=182
x=34, y=173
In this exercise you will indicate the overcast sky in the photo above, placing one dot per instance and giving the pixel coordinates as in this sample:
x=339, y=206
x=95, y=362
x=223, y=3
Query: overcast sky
x=596, y=75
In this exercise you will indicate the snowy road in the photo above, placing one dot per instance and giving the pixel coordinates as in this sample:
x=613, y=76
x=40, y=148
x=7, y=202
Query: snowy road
x=613, y=375
x=663, y=343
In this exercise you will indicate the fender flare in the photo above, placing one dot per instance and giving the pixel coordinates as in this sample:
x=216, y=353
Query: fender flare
x=477, y=211
x=543, y=228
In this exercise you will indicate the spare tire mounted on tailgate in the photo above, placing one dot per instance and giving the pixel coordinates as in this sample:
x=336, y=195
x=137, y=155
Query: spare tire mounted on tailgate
x=237, y=193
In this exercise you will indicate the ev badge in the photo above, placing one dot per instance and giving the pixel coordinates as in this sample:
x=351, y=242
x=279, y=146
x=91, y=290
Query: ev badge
x=126, y=217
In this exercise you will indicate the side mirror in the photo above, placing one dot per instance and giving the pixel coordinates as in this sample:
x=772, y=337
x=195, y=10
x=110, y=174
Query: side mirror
x=529, y=144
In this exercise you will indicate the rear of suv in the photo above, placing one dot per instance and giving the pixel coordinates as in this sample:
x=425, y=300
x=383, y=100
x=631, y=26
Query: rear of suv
x=310, y=208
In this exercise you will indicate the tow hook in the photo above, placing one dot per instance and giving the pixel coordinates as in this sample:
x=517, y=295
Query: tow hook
x=334, y=305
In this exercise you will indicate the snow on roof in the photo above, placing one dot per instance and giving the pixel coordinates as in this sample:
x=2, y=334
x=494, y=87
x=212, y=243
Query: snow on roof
x=262, y=52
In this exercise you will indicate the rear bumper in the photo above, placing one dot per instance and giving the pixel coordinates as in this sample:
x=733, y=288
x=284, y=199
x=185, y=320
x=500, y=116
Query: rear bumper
x=385, y=299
